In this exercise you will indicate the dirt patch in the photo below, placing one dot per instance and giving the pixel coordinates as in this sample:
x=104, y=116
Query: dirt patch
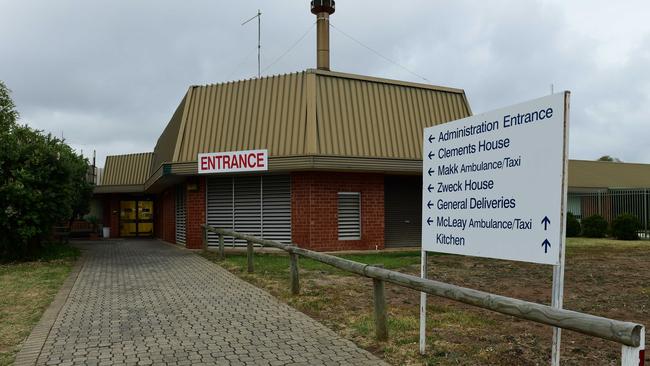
x=605, y=280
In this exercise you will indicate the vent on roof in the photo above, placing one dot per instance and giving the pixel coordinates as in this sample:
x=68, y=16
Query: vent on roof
x=322, y=9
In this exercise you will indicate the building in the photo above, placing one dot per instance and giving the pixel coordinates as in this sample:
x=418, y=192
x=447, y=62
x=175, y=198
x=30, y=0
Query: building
x=344, y=160
x=338, y=145
x=610, y=189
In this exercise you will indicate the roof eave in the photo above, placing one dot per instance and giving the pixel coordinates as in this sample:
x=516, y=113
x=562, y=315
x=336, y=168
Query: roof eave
x=126, y=188
x=385, y=81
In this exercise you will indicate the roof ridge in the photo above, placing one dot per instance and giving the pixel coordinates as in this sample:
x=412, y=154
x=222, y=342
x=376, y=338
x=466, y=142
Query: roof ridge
x=377, y=79
x=138, y=153
x=247, y=79
x=345, y=75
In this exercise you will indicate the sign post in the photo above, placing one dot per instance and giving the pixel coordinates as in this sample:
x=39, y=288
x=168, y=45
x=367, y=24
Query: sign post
x=557, y=296
x=495, y=187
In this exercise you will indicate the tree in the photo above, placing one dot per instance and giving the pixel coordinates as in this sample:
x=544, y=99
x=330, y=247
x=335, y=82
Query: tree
x=8, y=113
x=609, y=158
x=42, y=183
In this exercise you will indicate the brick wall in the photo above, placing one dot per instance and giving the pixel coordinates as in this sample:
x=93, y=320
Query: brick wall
x=112, y=214
x=158, y=214
x=165, y=219
x=314, y=209
x=195, y=213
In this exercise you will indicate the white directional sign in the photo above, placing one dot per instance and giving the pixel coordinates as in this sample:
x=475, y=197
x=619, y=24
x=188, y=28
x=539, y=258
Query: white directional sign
x=494, y=183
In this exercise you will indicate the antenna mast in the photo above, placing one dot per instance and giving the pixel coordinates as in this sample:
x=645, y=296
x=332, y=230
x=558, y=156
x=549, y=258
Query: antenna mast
x=259, y=40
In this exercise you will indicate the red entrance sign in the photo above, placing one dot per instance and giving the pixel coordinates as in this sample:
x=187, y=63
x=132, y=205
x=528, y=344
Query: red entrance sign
x=233, y=161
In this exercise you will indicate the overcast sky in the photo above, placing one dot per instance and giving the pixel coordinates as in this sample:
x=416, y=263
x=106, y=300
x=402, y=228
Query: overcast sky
x=108, y=74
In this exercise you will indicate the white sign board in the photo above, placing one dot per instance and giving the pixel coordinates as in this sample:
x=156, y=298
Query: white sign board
x=494, y=183
x=233, y=161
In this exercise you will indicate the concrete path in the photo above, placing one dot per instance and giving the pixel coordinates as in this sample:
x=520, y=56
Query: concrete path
x=146, y=302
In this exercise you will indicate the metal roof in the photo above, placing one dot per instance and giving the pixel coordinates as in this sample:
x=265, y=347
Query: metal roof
x=352, y=121
x=313, y=112
x=130, y=169
x=318, y=120
x=603, y=174
x=164, y=150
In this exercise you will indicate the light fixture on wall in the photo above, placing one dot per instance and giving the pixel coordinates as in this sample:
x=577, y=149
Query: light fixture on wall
x=192, y=187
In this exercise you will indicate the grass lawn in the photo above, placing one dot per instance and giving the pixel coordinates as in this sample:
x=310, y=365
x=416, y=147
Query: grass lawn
x=27, y=290
x=603, y=277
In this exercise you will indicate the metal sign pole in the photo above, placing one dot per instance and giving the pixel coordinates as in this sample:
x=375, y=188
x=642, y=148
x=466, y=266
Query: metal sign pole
x=558, y=270
x=556, y=302
x=423, y=304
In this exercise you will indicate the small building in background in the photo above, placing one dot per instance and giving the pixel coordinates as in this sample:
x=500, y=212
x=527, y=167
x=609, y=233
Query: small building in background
x=610, y=189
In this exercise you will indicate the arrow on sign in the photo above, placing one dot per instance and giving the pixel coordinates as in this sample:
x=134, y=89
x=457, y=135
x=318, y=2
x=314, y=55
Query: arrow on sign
x=546, y=244
x=431, y=171
x=431, y=138
x=429, y=204
x=429, y=221
x=430, y=187
x=430, y=154
x=546, y=221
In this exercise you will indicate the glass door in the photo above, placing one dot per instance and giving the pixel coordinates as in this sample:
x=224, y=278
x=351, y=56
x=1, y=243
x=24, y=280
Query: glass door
x=136, y=218
x=128, y=222
x=145, y=218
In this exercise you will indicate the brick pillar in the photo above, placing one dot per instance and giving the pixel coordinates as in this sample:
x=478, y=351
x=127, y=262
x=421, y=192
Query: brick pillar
x=165, y=220
x=115, y=215
x=106, y=210
x=158, y=216
x=195, y=207
x=301, y=222
x=169, y=216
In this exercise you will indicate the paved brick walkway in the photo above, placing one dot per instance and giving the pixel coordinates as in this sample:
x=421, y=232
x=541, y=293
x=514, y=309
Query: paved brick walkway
x=146, y=302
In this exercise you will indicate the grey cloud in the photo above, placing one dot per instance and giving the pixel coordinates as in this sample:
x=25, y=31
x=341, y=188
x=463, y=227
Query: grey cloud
x=111, y=73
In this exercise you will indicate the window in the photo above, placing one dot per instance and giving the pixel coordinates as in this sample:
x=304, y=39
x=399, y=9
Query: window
x=349, y=212
x=181, y=199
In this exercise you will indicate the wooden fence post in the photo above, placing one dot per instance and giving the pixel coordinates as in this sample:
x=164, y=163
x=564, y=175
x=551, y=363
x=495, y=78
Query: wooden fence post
x=249, y=250
x=379, y=299
x=295, y=279
x=222, y=254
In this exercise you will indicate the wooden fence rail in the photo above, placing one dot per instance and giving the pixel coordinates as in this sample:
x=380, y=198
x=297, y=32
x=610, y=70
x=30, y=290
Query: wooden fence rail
x=631, y=335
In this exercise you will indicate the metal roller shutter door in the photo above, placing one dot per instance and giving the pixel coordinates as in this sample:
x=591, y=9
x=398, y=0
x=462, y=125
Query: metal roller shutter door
x=402, y=211
x=276, y=208
x=248, y=207
x=219, y=207
x=180, y=214
x=254, y=205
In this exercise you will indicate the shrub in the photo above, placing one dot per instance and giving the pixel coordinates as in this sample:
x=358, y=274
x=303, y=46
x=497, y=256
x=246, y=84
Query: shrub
x=573, y=227
x=626, y=227
x=594, y=226
x=42, y=183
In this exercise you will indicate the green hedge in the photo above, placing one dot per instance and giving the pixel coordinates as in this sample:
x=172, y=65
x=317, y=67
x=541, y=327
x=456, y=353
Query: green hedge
x=626, y=227
x=594, y=226
x=573, y=227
